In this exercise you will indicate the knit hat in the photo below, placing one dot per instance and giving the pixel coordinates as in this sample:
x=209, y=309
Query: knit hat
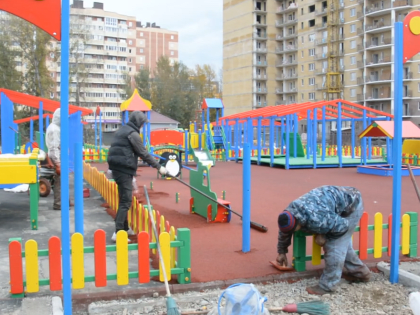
x=287, y=222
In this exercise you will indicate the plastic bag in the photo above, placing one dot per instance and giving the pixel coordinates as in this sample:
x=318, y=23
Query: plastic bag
x=242, y=299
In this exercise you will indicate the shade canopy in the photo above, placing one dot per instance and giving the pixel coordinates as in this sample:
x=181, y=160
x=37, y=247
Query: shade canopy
x=136, y=103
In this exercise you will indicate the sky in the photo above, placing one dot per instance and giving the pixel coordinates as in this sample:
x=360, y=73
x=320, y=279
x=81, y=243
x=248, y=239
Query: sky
x=199, y=24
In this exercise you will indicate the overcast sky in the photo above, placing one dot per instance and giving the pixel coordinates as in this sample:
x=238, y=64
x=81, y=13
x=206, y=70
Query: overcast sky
x=198, y=22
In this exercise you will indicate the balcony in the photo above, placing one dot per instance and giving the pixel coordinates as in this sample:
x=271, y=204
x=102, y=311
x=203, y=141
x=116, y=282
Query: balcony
x=321, y=41
x=290, y=22
x=322, y=71
x=260, y=77
x=290, y=35
x=260, y=90
x=376, y=45
x=377, y=27
x=261, y=50
x=260, y=63
x=279, y=37
x=320, y=87
x=292, y=7
x=323, y=11
x=402, y=4
x=285, y=63
x=279, y=91
x=279, y=22
x=322, y=27
x=408, y=94
x=360, y=97
x=289, y=76
x=292, y=90
x=260, y=36
x=340, y=6
x=260, y=104
x=377, y=79
x=376, y=96
x=379, y=62
x=408, y=76
x=378, y=10
x=321, y=56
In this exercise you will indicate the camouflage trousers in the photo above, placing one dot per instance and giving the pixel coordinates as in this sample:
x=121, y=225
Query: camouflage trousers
x=339, y=254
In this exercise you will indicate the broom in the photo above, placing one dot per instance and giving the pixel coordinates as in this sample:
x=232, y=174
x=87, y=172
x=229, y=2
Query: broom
x=171, y=307
x=311, y=308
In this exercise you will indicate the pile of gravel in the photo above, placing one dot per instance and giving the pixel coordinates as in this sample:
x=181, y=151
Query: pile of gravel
x=378, y=296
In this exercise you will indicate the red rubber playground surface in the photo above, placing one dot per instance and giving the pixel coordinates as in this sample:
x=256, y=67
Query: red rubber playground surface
x=216, y=247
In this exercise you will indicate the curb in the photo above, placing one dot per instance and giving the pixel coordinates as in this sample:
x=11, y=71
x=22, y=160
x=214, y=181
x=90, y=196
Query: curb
x=406, y=278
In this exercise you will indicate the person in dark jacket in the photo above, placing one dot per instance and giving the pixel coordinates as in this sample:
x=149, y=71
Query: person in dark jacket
x=126, y=148
x=330, y=213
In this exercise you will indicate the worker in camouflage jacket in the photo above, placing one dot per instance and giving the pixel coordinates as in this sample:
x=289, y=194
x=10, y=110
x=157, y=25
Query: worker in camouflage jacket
x=330, y=213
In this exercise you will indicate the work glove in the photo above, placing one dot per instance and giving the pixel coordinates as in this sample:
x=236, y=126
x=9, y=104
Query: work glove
x=282, y=260
x=320, y=239
x=163, y=171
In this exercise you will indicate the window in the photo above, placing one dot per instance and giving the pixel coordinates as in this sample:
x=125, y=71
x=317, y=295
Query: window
x=311, y=96
x=311, y=37
x=141, y=34
x=52, y=55
x=303, y=83
x=172, y=53
x=301, y=25
x=301, y=11
x=311, y=8
x=311, y=81
x=52, y=74
x=303, y=40
x=352, y=92
x=51, y=95
x=141, y=50
x=311, y=67
x=419, y=105
x=302, y=53
x=130, y=24
x=419, y=68
x=302, y=67
x=312, y=52
x=172, y=37
x=353, y=28
x=311, y=23
x=353, y=44
x=419, y=87
x=353, y=12
x=130, y=42
x=353, y=60
x=353, y=76
x=129, y=51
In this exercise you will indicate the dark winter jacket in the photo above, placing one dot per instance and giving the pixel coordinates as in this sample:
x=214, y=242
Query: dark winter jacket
x=323, y=210
x=127, y=147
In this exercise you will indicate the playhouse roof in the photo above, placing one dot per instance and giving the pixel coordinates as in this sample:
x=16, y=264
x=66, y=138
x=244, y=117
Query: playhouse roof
x=47, y=105
x=28, y=119
x=136, y=103
x=386, y=129
x=212, y=103
x=348, y=110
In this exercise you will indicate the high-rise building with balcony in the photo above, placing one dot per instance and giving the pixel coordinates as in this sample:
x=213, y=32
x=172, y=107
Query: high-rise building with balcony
x=116, y=45
x=279, y=52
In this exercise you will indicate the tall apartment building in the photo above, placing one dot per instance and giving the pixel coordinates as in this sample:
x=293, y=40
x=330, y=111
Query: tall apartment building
x=116, y=45
x=279, y=52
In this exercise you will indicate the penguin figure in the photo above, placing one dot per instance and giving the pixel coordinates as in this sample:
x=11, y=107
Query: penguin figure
x=171, y=163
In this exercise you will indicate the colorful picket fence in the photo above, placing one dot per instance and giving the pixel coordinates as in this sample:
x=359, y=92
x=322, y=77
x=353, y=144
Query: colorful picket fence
x=408, y=240
x=170, y=248
x=92, y=154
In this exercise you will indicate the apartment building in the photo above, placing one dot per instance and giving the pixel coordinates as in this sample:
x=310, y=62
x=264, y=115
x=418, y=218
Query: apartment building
x=279, y=52
x=117, y=45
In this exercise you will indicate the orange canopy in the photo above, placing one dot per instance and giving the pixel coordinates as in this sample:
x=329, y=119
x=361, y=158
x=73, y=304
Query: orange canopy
x=386, y=129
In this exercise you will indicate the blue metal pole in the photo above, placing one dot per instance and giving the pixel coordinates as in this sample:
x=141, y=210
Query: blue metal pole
x=64, y=122
x=339, y=139
x=259, y=140
x=100, y=135
x=47, y=122
x=314, y=136
x=369, y=142
x=31, y=131
x=295, y=125
x=324, y=136
x=364, y=139
x=308, y=134
x=353, y=137
x=283, y=123
x=246, y=199
x=96, y=132
x=272, y=141
x=186, y=147
x=397, y=151
x=126, y=117
x=287, y=142
x=41, y=125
